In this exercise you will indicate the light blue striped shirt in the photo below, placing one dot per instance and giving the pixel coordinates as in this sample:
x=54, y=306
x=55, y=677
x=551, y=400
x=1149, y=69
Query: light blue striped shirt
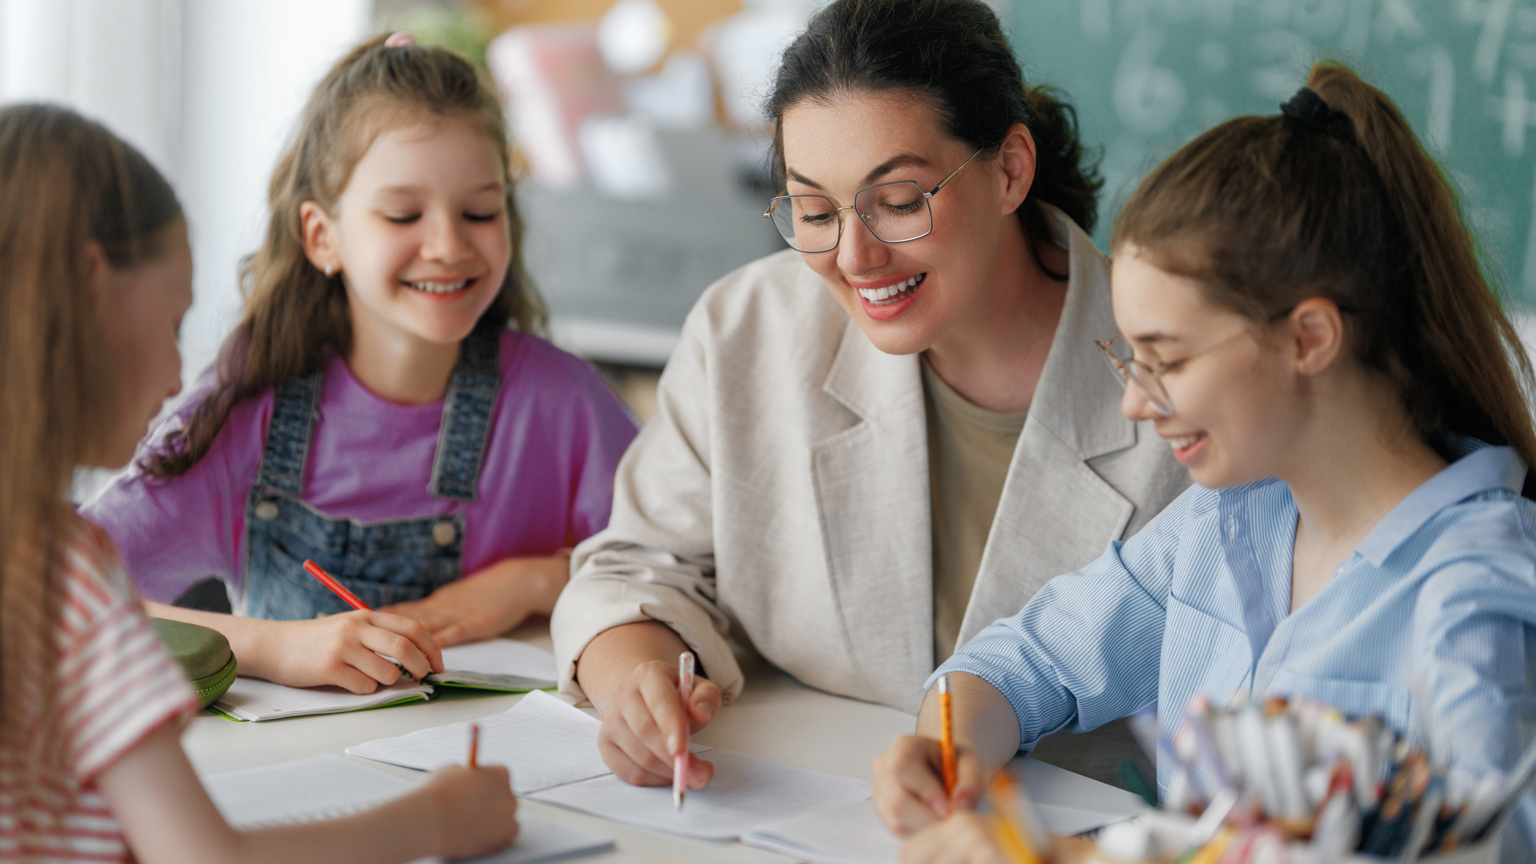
x=1441, y=592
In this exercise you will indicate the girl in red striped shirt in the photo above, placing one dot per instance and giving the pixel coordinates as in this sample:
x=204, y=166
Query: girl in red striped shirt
x=95, y=275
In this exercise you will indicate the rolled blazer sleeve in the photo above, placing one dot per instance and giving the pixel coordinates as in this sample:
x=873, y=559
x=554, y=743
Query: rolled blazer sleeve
x=662, y=501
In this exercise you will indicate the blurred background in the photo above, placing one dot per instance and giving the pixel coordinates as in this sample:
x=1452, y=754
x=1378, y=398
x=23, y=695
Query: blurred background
x=642, y=145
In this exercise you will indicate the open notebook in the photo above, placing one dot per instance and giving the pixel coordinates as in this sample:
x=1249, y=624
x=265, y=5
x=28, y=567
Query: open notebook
x=495, y=664
x=551, y=749
x=327, y=786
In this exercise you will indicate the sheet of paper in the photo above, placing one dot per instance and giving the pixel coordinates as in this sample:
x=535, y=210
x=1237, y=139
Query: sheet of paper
x=746, y=791
x=544, y=742
x=327, y=786
x=501, y=657
x=252, y=699
x=1071, y=803
x=850, y=834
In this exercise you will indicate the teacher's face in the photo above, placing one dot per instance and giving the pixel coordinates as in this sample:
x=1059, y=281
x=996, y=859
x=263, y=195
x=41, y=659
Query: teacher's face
x=905, y=296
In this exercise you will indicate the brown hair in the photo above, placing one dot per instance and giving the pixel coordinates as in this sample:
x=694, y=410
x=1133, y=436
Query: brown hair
x=64, y=183
x=1346, y=204
x=294, y=313
x=953, y=54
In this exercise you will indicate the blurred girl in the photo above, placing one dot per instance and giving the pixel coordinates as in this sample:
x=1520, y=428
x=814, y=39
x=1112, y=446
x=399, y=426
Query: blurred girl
x=96, y=277
x=372, y=411
x=1303, y=316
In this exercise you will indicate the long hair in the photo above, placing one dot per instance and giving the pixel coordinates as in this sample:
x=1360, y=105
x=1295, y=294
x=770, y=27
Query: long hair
x=65, y=182
x=295, y=314
x=953, y=54
x=1264, y=212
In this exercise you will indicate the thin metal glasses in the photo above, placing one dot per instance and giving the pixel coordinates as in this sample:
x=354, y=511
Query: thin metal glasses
x=896, y=212
x=1149, y=380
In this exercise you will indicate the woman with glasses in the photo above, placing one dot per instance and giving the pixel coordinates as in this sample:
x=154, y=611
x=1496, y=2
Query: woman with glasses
x=870, y=446
x=1314, y=335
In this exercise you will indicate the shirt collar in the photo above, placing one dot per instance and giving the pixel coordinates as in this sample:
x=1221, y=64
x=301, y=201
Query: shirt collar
x=1484, y=468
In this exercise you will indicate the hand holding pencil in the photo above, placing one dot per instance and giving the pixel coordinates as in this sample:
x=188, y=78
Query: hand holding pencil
x=925, y=778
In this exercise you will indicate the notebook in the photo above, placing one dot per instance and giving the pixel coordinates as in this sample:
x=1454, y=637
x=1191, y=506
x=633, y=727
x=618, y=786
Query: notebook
x=551, y=749
x=257, y=700
x=327, y=786
x=497, y=664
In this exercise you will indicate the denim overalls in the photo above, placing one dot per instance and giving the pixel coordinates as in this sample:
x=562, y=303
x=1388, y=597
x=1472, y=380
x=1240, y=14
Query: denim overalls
x=380, y=562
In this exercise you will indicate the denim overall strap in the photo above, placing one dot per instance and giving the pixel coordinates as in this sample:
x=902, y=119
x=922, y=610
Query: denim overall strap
x=467, y=416
x=294, y=405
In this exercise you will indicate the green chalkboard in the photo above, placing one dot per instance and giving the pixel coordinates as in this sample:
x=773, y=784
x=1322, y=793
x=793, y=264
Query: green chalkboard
x=1147, y=75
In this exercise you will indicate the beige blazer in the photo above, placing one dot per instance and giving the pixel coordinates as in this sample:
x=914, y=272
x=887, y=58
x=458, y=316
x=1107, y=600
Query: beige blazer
x=780, y=492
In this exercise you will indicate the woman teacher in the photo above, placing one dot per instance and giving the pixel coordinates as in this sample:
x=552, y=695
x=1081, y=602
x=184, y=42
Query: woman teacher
x=870, y=446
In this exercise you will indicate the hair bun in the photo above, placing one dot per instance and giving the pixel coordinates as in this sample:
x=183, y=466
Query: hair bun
x=1309, y=108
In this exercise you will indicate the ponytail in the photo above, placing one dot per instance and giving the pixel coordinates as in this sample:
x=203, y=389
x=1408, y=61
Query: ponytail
x=1347, y=205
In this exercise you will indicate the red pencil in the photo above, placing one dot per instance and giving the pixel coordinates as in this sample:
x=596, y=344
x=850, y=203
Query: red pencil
x=314, y=570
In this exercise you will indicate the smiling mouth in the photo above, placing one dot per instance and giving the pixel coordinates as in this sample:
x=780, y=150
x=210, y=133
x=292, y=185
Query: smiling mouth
x=891, y=293
x=440, y=287
x=1185, y=440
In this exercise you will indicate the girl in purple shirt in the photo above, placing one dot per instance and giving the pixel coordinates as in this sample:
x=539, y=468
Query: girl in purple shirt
x=375, y=410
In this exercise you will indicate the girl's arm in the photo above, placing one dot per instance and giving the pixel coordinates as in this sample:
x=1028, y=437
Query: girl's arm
x=167, y=817
x=490, y=601
x=343, y=650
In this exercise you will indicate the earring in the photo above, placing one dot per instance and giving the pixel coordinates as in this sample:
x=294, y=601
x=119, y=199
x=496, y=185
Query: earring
x=330, y=270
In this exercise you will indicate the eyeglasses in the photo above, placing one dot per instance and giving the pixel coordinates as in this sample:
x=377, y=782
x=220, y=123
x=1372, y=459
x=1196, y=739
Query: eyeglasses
x=896, y=212
x=1149, y=380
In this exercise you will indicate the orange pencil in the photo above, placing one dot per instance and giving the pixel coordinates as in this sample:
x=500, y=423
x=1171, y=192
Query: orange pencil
x=314, y=570
x=474, y=745
x=947, y=736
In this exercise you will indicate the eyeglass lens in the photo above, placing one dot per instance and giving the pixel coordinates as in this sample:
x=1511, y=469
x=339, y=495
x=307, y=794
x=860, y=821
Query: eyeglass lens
x=894, y=212
x=1143, y=378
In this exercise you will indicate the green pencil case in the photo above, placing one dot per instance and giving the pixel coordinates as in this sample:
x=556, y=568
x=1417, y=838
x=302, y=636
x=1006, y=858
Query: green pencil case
x=203, y=653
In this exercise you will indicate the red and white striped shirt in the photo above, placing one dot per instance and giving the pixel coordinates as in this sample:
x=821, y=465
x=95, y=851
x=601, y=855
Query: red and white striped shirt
x=116, y=683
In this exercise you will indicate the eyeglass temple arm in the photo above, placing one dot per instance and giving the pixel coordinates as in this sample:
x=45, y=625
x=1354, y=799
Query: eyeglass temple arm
x=952, y=175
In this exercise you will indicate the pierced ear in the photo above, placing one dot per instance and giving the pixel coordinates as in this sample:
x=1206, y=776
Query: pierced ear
x=319, y=236
x=1318, y=333
x=1016, y=156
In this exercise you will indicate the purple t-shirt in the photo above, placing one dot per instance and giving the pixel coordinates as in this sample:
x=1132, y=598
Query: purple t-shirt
x=556, y=436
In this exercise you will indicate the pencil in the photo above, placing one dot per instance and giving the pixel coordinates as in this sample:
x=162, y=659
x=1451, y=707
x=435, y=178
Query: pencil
x=314, y=570
x=474, y=745
x=947, y=736
x=680, y=759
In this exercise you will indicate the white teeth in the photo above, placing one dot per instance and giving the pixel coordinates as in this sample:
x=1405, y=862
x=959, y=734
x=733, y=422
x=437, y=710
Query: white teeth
x=890, y=293
x=1185, y=441
x=439, y=287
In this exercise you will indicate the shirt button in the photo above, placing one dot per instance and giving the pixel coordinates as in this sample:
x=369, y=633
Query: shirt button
x=266, y=511
x=444, y=533
x=1233, y=527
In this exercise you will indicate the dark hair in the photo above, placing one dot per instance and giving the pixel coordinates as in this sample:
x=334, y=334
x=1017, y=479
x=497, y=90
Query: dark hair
x=952, y=53
x=65, y=182
x=1345, y=204
x=294, y=313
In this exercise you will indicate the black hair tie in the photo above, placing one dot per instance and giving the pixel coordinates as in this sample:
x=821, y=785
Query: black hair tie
x=1309, y=108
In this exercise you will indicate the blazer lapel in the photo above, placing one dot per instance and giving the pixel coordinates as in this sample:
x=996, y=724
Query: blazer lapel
x=872, y=492
x=1056, y=514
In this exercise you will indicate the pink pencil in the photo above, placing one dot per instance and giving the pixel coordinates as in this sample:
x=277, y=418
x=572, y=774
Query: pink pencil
x=680, y=761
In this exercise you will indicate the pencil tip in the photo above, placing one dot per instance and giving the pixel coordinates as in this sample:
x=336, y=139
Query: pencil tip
x=677, y=799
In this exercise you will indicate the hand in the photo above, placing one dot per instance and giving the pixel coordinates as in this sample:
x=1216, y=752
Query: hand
x=344, y=650
x=476, y=813
x=908, y=787
x=964, y=838
x=491, y=601
x=643, y=726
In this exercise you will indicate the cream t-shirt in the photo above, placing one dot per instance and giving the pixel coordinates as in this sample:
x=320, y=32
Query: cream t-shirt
x=969, y=451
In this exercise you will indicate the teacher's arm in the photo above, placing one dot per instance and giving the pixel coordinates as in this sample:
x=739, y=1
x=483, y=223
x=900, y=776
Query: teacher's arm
x=643, y=591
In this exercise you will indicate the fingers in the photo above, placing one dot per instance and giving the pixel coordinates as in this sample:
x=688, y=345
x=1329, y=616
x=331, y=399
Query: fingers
x=704, y=704
x=406, y=640
x=965, y=838
x=663, y=711
x=908, y=790
x=970, y=781
x=629, y=759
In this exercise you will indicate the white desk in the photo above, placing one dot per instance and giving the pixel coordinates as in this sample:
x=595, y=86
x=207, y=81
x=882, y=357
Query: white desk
x=776, y=717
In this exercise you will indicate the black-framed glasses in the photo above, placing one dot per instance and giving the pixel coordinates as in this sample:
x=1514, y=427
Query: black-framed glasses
x=896, y=212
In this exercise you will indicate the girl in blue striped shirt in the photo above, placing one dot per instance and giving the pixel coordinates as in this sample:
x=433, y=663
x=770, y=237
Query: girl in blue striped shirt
x=1304, y=319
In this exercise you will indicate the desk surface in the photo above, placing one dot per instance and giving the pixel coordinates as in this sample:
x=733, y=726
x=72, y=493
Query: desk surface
x=776, y=717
